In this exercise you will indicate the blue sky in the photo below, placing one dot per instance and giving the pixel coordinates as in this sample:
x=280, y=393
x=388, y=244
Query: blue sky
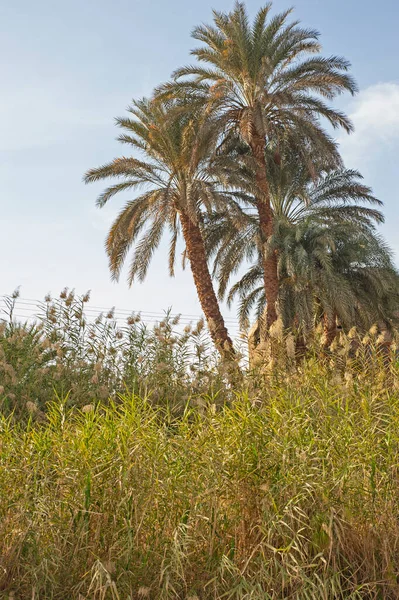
x=68, y=68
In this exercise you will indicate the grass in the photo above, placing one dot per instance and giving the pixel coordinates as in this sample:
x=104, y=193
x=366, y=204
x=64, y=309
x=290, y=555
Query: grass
x=65, y=353
x=289, y=491
x=131, y=467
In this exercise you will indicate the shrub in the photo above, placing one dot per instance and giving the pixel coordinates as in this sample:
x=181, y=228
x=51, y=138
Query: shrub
x=89, y=361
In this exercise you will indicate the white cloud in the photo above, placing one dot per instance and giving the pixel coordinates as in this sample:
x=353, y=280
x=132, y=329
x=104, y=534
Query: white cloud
x=373, y=148
x=375, y=115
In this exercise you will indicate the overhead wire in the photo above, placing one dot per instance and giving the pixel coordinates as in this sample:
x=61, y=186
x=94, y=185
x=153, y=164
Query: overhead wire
x=27, y=308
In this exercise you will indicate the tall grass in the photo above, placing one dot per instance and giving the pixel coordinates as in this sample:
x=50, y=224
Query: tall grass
x=136, y=471
x=64, y=353
x=292, y=495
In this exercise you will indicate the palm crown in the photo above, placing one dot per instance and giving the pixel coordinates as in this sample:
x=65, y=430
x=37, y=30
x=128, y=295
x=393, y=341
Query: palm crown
x=259, y=76
x=327, y=248
x=267, y=81
x=180, y=181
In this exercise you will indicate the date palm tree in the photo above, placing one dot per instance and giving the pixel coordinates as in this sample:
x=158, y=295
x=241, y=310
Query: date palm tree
x=179, y=182
x=330, y=259
x=267, y=81
x=343, y=274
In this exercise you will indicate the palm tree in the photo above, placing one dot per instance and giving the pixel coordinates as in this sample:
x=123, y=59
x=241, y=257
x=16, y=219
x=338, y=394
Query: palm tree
x=343, y=276
x=180, y=181
x=330, y=260
x=260, y=82
x=364, y=269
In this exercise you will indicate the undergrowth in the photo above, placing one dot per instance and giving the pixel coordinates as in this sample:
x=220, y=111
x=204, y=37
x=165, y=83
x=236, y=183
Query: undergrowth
x=64, y=353
x=172, y=484
x=292, y=495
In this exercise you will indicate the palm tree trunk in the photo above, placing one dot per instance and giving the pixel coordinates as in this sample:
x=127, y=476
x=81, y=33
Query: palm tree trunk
x=385, y=342
x=203, y=282
x=270, y=277
x=330, y=329
x=300, y=341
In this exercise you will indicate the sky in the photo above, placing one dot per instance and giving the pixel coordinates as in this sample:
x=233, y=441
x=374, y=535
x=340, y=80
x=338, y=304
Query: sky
x=69, y=68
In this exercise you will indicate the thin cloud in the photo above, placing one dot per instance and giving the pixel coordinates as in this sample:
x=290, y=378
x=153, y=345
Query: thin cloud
x=375, y=115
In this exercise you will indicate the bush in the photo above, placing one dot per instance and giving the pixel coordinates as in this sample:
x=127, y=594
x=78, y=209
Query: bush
x=89, y=361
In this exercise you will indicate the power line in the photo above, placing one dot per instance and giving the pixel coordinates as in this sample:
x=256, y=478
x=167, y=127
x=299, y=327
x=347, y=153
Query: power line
x=122, y=311
x=27, y=306
x=37, y=303
x=40, y=304
x=30, y=314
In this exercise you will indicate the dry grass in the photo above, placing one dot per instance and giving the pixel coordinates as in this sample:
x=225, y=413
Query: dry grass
x=87, y=361
x=291, y=491
x=185, y=487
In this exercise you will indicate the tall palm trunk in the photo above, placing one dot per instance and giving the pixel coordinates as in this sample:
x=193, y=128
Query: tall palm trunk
x=270, y=277
x=203, y=282
x=300, y=341
x=330, y=329
x=384, y=342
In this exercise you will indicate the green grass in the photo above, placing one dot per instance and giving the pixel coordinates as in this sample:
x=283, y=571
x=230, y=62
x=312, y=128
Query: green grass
x=289, y=491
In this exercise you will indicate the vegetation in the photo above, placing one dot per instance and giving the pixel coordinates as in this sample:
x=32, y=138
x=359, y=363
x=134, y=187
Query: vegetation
x=237, y=159
x=288, y=491
x=168, y=462
x=66, y=354
x=130, y=468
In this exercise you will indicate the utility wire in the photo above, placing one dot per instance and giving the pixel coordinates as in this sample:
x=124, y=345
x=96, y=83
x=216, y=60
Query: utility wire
x=29, y=309
x=101, y=309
